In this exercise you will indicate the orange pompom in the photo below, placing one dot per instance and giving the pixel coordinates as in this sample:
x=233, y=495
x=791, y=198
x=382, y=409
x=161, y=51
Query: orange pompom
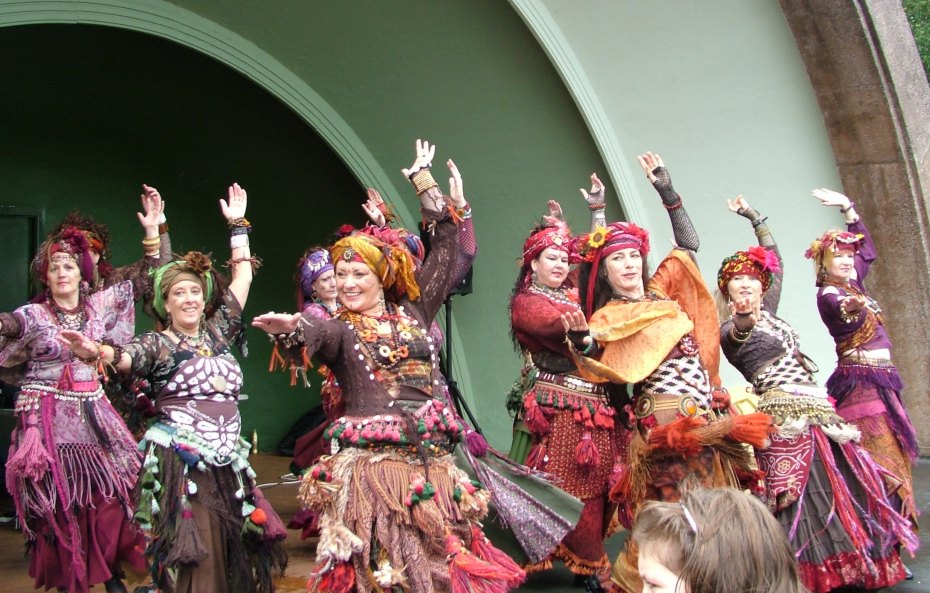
x=259, y=517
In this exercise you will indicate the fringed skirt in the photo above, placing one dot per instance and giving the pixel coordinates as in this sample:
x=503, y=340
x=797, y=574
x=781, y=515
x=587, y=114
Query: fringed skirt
x=577, y=439
x=387, y=520
x=829, y=496
x=71, y=469
x=212, y=529
x=868, y=394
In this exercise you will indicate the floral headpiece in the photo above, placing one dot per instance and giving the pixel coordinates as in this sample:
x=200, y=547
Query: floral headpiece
x=316, y=263
x=557, y=237
x=193, y=266
x=833, y=240
x=603, y=241
x=395, y=266
x=74, y=242
x=757, y=261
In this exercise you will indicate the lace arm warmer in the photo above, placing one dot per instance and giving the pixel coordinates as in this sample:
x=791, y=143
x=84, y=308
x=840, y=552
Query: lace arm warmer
x=772, y=296
x=685, y=235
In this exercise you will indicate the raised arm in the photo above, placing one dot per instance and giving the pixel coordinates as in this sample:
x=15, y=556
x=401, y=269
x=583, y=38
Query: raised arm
x=764, y=235
x=437, y=277
x=866, y=253
x=156, y=245
x=596, y=202
x=654, y=168
x=241, y=262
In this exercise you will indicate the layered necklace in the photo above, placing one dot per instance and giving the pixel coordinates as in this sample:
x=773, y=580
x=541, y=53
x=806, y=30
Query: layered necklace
x=383, y=337
x=558, y=295
x=73, y=319
x=196, y=344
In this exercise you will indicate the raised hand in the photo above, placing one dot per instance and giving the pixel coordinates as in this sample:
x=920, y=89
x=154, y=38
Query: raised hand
x=153, y=208
x=649, y=163
x=555, y=215
x=594, y=198
x=423, y=160
x=456, y=191
x=373, y=207
x=738, y=205
x=235, y=205
x=276, y=323
x=828, y=197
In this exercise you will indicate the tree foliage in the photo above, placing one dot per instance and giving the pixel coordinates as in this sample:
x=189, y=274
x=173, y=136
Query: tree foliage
x=918, y=14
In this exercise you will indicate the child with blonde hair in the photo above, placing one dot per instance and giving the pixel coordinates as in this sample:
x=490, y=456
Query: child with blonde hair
x=717, y=540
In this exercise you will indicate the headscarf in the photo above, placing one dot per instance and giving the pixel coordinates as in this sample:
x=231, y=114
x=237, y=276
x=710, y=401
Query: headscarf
x=73, y=241
x=823, y=247
x=194, y=266
x=757, y=261
x=395, y=266
x=397, y=237
x=603, y=241
x=556, y=236
x=313, y=265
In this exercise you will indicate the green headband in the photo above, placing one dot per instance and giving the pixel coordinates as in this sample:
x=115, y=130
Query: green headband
x=158, y=275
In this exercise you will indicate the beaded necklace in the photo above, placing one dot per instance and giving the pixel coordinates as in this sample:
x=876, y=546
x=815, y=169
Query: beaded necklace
x=558, y=295
x=196, y=344
x=622, y=298
x=384, y=337
x=73, y=319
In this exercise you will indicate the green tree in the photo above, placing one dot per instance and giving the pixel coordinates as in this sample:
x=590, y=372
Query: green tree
x=918, y=14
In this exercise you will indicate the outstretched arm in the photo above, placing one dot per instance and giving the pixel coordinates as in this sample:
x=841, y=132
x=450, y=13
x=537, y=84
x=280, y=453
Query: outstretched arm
x=654, y=168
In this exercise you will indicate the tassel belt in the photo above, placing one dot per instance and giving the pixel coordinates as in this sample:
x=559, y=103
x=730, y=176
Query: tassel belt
x=648, y=403
x=571, y=383
x=32, y=393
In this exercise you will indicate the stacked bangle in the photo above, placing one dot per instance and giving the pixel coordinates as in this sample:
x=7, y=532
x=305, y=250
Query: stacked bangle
x=237, y=224
x=759, y=221
x=739, y=336
x=151, y=245
x=423, y=180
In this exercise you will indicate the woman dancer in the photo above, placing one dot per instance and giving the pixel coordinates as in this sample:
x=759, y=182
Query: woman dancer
x=825, y=491
x=575, y=428
x=72, y=462
x=395, y=509
x=211, y=528
x=660, y=336
x=865, y=384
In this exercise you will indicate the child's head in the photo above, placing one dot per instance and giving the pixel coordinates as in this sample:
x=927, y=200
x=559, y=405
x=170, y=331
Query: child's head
x=713, y=541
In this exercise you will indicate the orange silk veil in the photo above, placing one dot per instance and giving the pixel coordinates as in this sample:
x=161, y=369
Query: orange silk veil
x=636, y=337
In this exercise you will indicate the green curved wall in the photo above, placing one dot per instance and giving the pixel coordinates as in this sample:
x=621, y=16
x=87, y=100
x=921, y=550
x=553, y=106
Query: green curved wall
x=307, y=102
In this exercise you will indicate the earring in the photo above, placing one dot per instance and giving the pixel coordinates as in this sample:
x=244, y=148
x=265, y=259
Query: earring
x=382, y=303
x=203, y=321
